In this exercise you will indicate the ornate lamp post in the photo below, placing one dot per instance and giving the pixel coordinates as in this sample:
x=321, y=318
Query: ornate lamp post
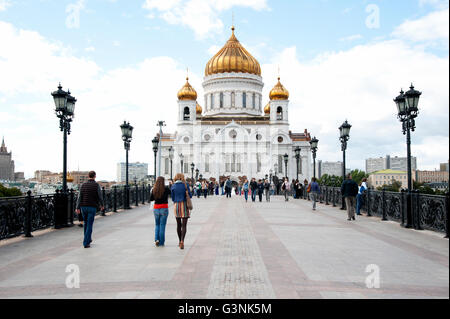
x=192, y=171
x=64, y=109
x=314, y=142
x=408, y=109
x=286, y=159
x=171, y=161
x=344, y=130
x=127, y=133
x=155, y=143
x=182, y=162
x=270, y=175
x=297, y=156
x=197, y=171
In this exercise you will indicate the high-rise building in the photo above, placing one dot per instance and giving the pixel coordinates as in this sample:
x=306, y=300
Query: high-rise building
x=395, y=163
x=330, y=168
x=6, y=163
x=136, y=171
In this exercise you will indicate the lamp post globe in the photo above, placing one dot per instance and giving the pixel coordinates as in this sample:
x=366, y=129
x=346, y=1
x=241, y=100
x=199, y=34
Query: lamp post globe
x=297, y=152
x=286, y=159
x=155, y=144
x=407, y=110
x=314, y=143
x=127, y=135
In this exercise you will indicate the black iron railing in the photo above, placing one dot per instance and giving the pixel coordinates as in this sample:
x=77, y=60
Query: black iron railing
x=25, y=214
x=428, y=211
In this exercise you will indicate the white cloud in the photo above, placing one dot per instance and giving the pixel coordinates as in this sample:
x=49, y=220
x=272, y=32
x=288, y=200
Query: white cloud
x=213, y=49
x=351, y=38
x=359, y=85
x=202, y=16
x=4, y=4
x=435, y=3
x=89, y=49
x=432, y=29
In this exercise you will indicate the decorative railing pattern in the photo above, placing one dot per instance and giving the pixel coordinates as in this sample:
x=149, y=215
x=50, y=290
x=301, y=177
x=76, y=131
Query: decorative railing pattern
x=428, y=211
x=25, y=214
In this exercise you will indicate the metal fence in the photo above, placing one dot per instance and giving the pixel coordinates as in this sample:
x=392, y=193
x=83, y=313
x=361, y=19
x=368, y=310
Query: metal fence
x=428, y=211
x=25, y=214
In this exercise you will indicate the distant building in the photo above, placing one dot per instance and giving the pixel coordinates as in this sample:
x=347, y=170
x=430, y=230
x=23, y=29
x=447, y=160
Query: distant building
x=137, y=171
x=6, y=163
x=388, y=176
x=38, y=175
x=432, y=176
x=330, y=168
x=19, y=177
x=444, y=167
x=395, y=163
x=79, y=177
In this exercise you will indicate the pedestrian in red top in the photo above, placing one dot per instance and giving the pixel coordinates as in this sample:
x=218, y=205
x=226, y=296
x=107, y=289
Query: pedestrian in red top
x=160, y=194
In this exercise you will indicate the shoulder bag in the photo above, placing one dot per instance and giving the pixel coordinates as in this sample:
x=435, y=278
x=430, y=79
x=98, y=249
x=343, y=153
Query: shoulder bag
x=188, y=200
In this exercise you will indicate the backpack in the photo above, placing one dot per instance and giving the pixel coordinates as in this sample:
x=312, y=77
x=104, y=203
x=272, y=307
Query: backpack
x=309, y=188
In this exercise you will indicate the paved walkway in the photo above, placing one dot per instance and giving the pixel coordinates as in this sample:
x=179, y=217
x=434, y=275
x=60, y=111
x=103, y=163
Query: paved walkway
x=233, y=249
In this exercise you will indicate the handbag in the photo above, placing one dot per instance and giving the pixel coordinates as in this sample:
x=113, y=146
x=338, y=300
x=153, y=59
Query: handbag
x=188, y=200
x=309, y=188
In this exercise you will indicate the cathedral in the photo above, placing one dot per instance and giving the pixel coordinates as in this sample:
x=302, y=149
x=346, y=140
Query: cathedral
x=233, y=135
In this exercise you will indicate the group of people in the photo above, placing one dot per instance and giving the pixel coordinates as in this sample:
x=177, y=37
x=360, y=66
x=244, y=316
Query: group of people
x=90, y=199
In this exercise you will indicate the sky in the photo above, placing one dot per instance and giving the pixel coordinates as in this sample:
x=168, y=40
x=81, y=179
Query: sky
x=126, y=60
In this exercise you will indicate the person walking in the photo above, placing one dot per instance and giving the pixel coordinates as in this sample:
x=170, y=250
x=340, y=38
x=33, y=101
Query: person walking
x=205, y=189
x=89, y=201
x=260, y=190
x=359, y=196
x=349, y=190
x=228, y=187
x=222, y=184
x=160, y=195
x=253, y=188
x=246, y=187
x=285, y=188
x=267, y=190
x=314, y=192
x=179, y=193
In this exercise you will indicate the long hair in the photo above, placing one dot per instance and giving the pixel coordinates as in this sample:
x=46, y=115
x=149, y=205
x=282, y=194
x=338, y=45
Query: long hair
x=159, y=188
x=179, y=177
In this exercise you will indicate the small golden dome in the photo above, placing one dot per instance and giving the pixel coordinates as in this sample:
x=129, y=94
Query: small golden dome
x=69, y=178
x=187, y=92
x=199, y=109
x=233, y=57
x=279, y=92
x=267, y=108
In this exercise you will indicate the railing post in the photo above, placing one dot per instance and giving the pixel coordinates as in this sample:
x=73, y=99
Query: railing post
x=416, y=210
x=71, y=206
x=402, y=207
x=104, y=201
x=368, y=202
x=115, y=199
x=447, y=204
x=28, y=214
x=326, y=195
x=383, y=203
x=137, y=194
x=124, y=190
x=143, y=194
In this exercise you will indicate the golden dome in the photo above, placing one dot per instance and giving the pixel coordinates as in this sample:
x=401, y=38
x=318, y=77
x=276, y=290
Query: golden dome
x=233, y=57
x=69, y=178
x=199, y=109
x=267, y=108
x=187, y=92
x=279, y=92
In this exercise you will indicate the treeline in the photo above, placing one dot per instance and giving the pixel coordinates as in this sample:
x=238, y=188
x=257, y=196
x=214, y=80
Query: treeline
x=336, y=181
x=9, y=192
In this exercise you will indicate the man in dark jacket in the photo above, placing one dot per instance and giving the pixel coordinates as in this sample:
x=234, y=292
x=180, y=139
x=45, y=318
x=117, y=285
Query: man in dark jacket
x=253, y=188
x=89, y=201
x=349, y=190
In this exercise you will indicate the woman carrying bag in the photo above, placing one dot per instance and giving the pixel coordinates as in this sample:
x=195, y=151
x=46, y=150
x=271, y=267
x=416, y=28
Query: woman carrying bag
x=181, y=196
x=160, y=195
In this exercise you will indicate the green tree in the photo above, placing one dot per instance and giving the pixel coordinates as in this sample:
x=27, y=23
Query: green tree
x=9, y=192
x=358, y=175
x=394, y=187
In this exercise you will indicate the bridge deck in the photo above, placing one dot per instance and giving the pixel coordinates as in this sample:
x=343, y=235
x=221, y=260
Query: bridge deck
x=233, y=250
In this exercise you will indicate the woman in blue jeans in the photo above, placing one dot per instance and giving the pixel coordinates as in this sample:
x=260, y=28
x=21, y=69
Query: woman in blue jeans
x=160, y=194
x=245, y=186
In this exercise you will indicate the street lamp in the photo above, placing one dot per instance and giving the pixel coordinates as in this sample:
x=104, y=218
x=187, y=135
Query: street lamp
x=65, y=111
x=192, y=171
x=344, y=130
x=182, y=160
x=297, y=157
x=314, y=142
x=171, y=160
x=286, y=159
x=196, y=174
x=155, y=143
x=127, y=133
x=270, y=175
x=408, y=109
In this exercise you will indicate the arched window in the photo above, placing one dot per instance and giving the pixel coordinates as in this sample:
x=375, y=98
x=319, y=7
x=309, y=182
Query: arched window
x=206, y=163
x=280, y=113
x=254, y=101
x=187, y=114
x=221, y=99
x=233, y=99
x=244, y=99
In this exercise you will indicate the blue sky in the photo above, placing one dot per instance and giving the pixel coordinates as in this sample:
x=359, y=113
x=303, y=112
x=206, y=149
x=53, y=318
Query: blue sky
x=128, y=59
